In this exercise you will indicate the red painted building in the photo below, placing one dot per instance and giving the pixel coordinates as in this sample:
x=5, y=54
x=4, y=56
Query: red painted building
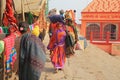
x=101, y=24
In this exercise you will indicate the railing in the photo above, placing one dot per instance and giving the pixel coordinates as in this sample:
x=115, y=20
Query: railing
x=104, y=38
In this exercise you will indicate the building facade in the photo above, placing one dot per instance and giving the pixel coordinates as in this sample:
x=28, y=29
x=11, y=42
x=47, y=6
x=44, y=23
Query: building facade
x=101, y=24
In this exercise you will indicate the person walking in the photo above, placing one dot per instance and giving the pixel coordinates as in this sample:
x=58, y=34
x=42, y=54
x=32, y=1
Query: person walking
x=57, y=47
x=72, y=32
x=32, y=54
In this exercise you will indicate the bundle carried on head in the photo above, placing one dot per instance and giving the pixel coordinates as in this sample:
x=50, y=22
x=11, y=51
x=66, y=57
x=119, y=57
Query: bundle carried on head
x=70, y=14
x=56, y=18
x=52, y=12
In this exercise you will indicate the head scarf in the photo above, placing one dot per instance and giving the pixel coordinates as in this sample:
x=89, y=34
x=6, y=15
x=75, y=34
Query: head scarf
x=23, y=27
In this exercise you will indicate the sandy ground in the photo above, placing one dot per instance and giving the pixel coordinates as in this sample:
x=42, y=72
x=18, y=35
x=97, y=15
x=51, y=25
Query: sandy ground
x=90, y=64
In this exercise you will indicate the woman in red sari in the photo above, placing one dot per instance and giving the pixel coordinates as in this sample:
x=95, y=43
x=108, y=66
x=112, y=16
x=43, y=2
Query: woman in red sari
x=57, y=46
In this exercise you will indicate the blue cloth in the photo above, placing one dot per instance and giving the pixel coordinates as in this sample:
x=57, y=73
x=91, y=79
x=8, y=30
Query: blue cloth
x=56, y=18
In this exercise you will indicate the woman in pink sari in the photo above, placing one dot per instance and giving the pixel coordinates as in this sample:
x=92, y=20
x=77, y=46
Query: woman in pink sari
x=57, y=46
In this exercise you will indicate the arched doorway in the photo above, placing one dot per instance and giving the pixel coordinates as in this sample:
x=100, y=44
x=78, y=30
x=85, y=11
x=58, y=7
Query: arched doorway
x=95, y=28
x=112, y=29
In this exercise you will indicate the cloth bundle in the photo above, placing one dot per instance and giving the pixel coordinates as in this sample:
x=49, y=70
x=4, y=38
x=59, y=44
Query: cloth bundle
x=56, y=18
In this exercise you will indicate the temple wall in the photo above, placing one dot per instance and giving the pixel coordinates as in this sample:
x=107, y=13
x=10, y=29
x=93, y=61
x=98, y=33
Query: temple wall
x=101, y=18
x=105, y=47
x=83, y=29
x=100, y=15
x=103, y=15
x=115, y=49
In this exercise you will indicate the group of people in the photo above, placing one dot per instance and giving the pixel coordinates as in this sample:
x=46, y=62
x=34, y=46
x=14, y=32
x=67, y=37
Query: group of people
x=59, y=45
x=24, y=51
x=31, y=55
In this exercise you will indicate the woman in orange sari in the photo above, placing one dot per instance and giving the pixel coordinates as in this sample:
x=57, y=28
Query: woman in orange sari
x=57, y=46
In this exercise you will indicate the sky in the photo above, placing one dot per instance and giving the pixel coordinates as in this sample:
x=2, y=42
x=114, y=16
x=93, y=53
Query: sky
x=77, y=5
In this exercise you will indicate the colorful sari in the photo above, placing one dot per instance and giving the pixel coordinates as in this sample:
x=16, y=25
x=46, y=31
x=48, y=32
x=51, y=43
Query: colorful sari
x=52, y=28
x=32, y=57
x=57, y=46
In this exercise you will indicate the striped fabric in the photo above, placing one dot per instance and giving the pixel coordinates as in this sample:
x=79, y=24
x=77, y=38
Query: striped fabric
x=9, y=44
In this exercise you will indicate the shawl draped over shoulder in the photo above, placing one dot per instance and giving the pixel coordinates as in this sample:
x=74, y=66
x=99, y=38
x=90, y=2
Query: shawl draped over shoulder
x=32, y=57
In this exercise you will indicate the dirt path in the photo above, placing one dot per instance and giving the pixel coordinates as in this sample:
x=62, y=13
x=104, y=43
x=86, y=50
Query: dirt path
x=91, y=64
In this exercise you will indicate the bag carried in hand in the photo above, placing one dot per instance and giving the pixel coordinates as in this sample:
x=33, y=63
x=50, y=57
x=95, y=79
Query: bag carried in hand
x=77, y=46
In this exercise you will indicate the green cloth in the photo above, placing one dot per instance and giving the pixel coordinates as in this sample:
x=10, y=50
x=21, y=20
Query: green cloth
x=5, y=30
x=1, y=46
x=30, y=18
